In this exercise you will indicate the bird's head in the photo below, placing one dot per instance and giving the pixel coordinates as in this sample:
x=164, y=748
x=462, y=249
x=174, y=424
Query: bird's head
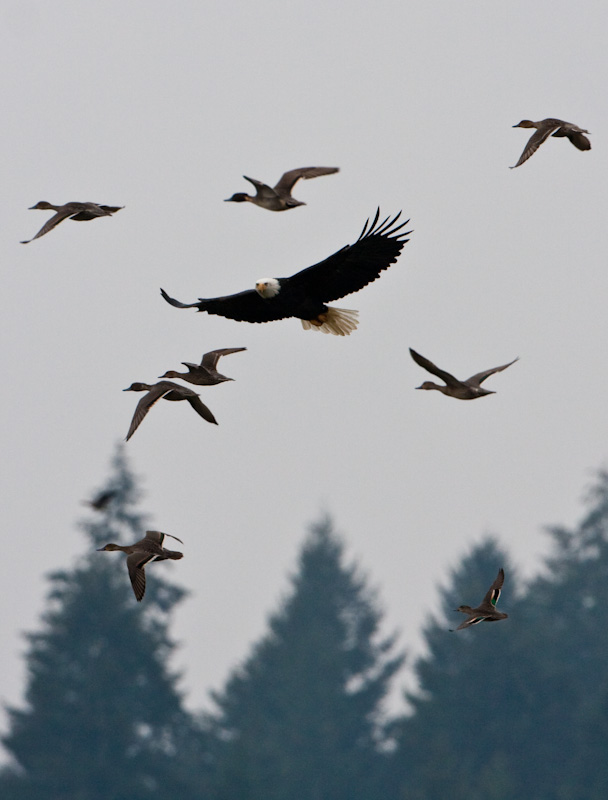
x=267, y=287
x=170, y=373
x=464, y=609
x=43, y=205
x=110, y=546
x=239, y=197
x=427, y=385
x=525, y=123
x=137, y=387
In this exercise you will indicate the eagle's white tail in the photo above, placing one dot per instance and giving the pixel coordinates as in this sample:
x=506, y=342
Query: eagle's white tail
x=339, y=321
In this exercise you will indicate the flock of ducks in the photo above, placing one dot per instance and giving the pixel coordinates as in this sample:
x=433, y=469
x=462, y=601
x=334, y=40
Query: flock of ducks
x=305, y=296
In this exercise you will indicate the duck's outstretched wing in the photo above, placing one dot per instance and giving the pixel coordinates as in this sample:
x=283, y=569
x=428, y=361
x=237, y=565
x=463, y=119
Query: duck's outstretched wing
x=355, y=265
x=50, y=224
x=200, y=408
x=159, y=537
x=290, y=178
x=493, y=592
x=145, y=404
x=535, y=141
x=423, y=362
x=468, y=622
x=135, y=564
x=480, y=377
x=210, y=359
x=262, y=190
x=95, y=211
x=578, y=139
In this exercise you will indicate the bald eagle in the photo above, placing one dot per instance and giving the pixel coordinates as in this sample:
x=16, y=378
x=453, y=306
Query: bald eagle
x=305, y=294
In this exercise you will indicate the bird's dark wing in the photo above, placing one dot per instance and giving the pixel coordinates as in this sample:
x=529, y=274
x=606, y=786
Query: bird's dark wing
x=200, y=408
x=579, y=140
x=102, y=500
x=210, y=359
x=289, y=179
x=535, y=141
x=159, y=537
x=135, y=564
x=493, y=592
x=111, y=209
x=95, y=211
x=261, y=189
x=247, y=306
x=468, y=622
x=145, y=404
x=423, y=362
x=480, y=377
x=355, y=265
x=50, y=224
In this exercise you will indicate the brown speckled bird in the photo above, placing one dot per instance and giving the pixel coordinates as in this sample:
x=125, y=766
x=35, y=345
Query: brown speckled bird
x=551, y=127
x=80, y=212
x=169, y=391
x=486, y=611
x=279, y=198
x=143, y=552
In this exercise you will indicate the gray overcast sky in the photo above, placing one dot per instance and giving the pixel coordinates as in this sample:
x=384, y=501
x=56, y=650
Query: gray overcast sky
x=162, y=107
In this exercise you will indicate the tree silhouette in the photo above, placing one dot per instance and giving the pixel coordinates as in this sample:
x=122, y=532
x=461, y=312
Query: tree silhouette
x=302, y=717
x=103, y=717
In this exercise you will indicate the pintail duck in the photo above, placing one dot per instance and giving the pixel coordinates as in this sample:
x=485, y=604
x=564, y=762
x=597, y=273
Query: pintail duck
x=486, y=611
x=279, y=198
x=205, y=373
x=170, y=391
x=463, y=390
x=78, y=211
x=148, y=549
x=551, y=127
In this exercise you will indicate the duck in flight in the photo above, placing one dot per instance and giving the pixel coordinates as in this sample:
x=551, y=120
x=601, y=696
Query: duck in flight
x=205, y=373
x=486, y=611
x=78, y=211
x=305, y=295
x=278, y=198
x=143, y=552
x=102, y=500
x=169, y=391
x=462, y=390
x=551, y=127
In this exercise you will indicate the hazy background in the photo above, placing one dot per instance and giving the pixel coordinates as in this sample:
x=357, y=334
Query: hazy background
x=162, y=107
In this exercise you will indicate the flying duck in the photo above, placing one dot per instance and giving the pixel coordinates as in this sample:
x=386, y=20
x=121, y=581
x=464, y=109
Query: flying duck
x=170, y=391
x=305, y=295
x=463, y=390
x=77, y=211
x=279, y=197
x=205, y=373
x=551, y=127
x=102, y=500
x=486, y=611
x=143, y=552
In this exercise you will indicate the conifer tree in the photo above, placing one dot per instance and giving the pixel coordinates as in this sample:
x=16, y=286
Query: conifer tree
x=302, y=718
x=103, y=718
x=571, y=698
x=450, y=745
x=518, y=708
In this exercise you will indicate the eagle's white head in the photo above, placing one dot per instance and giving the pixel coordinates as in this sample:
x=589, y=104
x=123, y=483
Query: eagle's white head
x=267, y=287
